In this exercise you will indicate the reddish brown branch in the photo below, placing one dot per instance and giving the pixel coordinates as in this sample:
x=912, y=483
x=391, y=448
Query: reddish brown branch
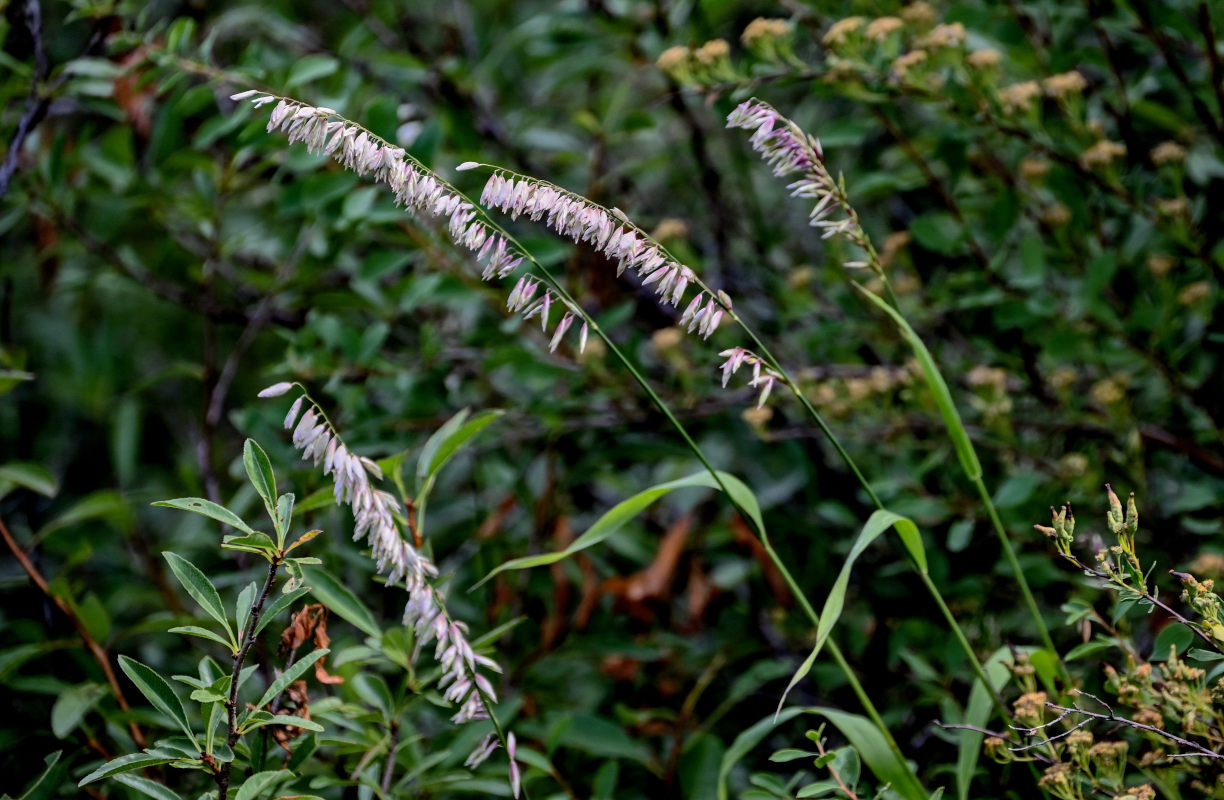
x=95, y=649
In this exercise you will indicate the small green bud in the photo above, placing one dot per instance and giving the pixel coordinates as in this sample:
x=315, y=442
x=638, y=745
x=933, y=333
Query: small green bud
x=1116, y=522
x=1132, y=515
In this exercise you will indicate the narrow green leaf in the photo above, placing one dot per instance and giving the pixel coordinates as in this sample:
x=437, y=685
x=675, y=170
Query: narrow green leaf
x=158, y=692
x=200, y=589
x=290, y=675
x=283, y=719
x=336, y=596
x=259, y=541
x=791, y=754
x=884, y=763
x=622, y=512
x=127, y=763
x=284, y=510
x=246, y=600
x=204, y=633
x=935, y=381
x=977, y=714
x=259, y=470
x=34, y=477
x=278, y=605
x=876, y=525
x=207, y=696
x=262, y=782
x=148, y=787
x=1199, y=654
x=209, y=509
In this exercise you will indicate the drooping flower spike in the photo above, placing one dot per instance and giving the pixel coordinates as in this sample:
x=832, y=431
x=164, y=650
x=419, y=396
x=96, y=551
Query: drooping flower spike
x=611, y=233
x=788, y=149
x=375, y=512
x=416, y=188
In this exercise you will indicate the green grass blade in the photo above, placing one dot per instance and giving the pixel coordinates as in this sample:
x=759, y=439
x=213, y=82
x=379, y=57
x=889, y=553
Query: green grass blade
x=616, y=517
x=977, y=714
x=939, y=388
x=876, y=525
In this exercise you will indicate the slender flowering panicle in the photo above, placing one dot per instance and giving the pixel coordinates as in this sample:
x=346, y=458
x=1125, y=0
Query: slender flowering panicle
x=788, y=149
x=763, y=376
x=416, y=188
x=374, y=512
x=609, y=232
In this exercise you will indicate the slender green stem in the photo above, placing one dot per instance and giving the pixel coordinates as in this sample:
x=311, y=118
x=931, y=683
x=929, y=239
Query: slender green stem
x=831, y=646
x=931, y=588
x=763, y=351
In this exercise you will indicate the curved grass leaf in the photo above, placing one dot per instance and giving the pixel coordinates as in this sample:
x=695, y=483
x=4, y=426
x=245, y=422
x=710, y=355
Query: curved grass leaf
x=977, y=714
x=336, y=596
x=876, y=525
x=158, y=692
x=622, y=512
x=939, y=387
x=289, y=676
x=885, y=763
x=209, y=509
x=200, y=589
x=126, y=763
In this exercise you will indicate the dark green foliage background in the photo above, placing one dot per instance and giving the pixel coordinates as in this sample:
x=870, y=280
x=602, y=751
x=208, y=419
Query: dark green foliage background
x=157, y=244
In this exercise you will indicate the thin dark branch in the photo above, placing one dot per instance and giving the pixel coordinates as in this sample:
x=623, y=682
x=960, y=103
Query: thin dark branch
x=36, y=101
x=1151, y=598
x=1053, y=738
x=231, y=706
x=1213, y=56
x=1174, y=63
x=1199, y=750
x=389, y=768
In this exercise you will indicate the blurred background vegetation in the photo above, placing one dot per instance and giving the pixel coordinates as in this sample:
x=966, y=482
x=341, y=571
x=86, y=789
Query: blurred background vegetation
x=163, y=259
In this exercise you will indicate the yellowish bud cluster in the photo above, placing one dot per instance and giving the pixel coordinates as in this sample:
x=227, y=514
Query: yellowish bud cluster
x=1018, y=96
x=1101, y=154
